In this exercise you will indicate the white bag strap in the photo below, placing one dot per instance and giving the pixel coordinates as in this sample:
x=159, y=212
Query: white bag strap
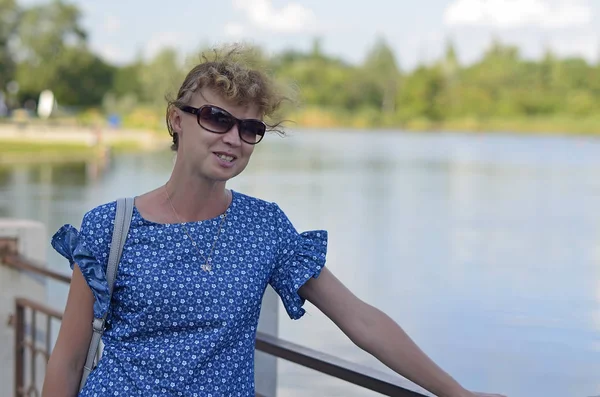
x=121, y=228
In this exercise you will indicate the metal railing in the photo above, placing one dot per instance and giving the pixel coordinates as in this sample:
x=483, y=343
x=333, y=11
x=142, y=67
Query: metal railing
x=23, y=264
x=358, y=375
x=27, y=340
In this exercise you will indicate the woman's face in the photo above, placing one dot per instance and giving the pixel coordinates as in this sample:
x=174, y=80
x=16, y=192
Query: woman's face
x=213, y=156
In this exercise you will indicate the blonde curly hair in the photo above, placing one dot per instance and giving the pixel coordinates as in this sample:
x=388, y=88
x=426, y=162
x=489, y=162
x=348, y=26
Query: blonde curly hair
x=227, y=73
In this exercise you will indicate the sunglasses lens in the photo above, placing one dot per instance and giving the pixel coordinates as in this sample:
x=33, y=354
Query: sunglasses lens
x=215, y=119
x=252, y=131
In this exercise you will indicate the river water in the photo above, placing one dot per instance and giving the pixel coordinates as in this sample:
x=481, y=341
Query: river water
x=485, y=248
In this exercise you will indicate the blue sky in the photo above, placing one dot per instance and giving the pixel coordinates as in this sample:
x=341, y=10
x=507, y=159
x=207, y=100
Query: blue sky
x=416, y=30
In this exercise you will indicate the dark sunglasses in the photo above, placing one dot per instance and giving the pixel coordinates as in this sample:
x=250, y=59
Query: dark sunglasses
x=214, y=119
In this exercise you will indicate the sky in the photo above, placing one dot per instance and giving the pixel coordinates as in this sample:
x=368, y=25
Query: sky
x=416, y=30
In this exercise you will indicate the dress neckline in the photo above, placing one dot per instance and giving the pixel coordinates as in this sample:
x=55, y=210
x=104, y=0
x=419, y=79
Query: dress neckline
x=138, y=214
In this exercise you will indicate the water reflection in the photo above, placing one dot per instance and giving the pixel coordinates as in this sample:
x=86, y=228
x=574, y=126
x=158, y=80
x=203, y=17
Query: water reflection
x=485, y=248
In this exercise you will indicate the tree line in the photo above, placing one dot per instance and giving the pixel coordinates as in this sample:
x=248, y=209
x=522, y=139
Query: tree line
x=45, y=46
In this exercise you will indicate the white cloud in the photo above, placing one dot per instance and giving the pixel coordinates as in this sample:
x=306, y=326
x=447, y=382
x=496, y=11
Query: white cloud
x=292, y=18
x=518, y=13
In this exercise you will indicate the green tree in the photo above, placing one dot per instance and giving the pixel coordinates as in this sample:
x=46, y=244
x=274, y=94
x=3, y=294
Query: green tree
x=53, y=54
x=81, y=78
x=127, y=81
x=382, y=70
x=451, y=96
x=76, y=76
x=420, y=92
x=9, y=22
x=161, y=77
x=45, y=30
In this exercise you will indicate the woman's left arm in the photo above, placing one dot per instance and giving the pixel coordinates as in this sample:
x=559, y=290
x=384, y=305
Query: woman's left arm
x=376, y=333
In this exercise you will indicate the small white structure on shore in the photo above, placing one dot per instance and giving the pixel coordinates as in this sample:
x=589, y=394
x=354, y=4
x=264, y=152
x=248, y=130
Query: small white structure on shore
x=46, y=104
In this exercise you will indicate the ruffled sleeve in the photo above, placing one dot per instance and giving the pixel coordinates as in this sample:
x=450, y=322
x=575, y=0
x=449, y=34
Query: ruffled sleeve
x=300, y=257
x=71, y=244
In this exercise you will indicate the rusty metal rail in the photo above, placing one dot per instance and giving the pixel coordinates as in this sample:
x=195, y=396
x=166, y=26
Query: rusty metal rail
x=28, y=345
x=21, y=263
x=358, y=375
x=29, y=341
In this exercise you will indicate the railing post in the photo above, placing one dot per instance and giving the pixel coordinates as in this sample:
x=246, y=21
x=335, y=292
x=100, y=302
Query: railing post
x=19, y=324
x=33, y=352
x=266, y=365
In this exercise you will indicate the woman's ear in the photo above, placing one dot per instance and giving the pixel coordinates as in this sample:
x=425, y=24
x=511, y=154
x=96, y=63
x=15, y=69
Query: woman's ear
x=175, y=120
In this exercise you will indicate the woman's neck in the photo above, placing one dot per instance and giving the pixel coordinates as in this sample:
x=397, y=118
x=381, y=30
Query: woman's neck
x=195, y=200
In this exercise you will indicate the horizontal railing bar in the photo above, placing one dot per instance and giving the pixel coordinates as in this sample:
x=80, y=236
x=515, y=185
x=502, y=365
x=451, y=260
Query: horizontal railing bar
x=26, y=303
x=353, y=373
x=19, y=262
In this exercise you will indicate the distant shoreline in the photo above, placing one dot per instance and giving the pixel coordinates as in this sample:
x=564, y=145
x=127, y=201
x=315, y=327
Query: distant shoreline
x=38, y=143
x=54, y=140
x=38, y=134
x=547, y=125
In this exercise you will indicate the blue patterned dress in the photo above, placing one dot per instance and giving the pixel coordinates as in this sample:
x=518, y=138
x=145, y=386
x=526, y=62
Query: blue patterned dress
x=174, y=329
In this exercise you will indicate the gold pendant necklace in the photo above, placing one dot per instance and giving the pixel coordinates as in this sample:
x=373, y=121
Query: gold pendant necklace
x=207, y=266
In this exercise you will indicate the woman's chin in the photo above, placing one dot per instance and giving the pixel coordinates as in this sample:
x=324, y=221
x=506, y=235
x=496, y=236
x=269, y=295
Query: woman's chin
x=222, y=175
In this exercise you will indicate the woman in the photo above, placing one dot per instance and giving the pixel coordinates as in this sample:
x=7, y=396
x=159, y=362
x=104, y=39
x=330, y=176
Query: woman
x=197, y=260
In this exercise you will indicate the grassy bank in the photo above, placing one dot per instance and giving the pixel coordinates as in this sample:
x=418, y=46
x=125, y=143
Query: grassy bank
x=35, y=148
x=18, y=152
x=319, y=118
x=71, y=137
x=12, y=152
x=64, y=148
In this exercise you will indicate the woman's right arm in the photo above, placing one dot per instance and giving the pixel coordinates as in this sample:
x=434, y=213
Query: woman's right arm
x=68, y=356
